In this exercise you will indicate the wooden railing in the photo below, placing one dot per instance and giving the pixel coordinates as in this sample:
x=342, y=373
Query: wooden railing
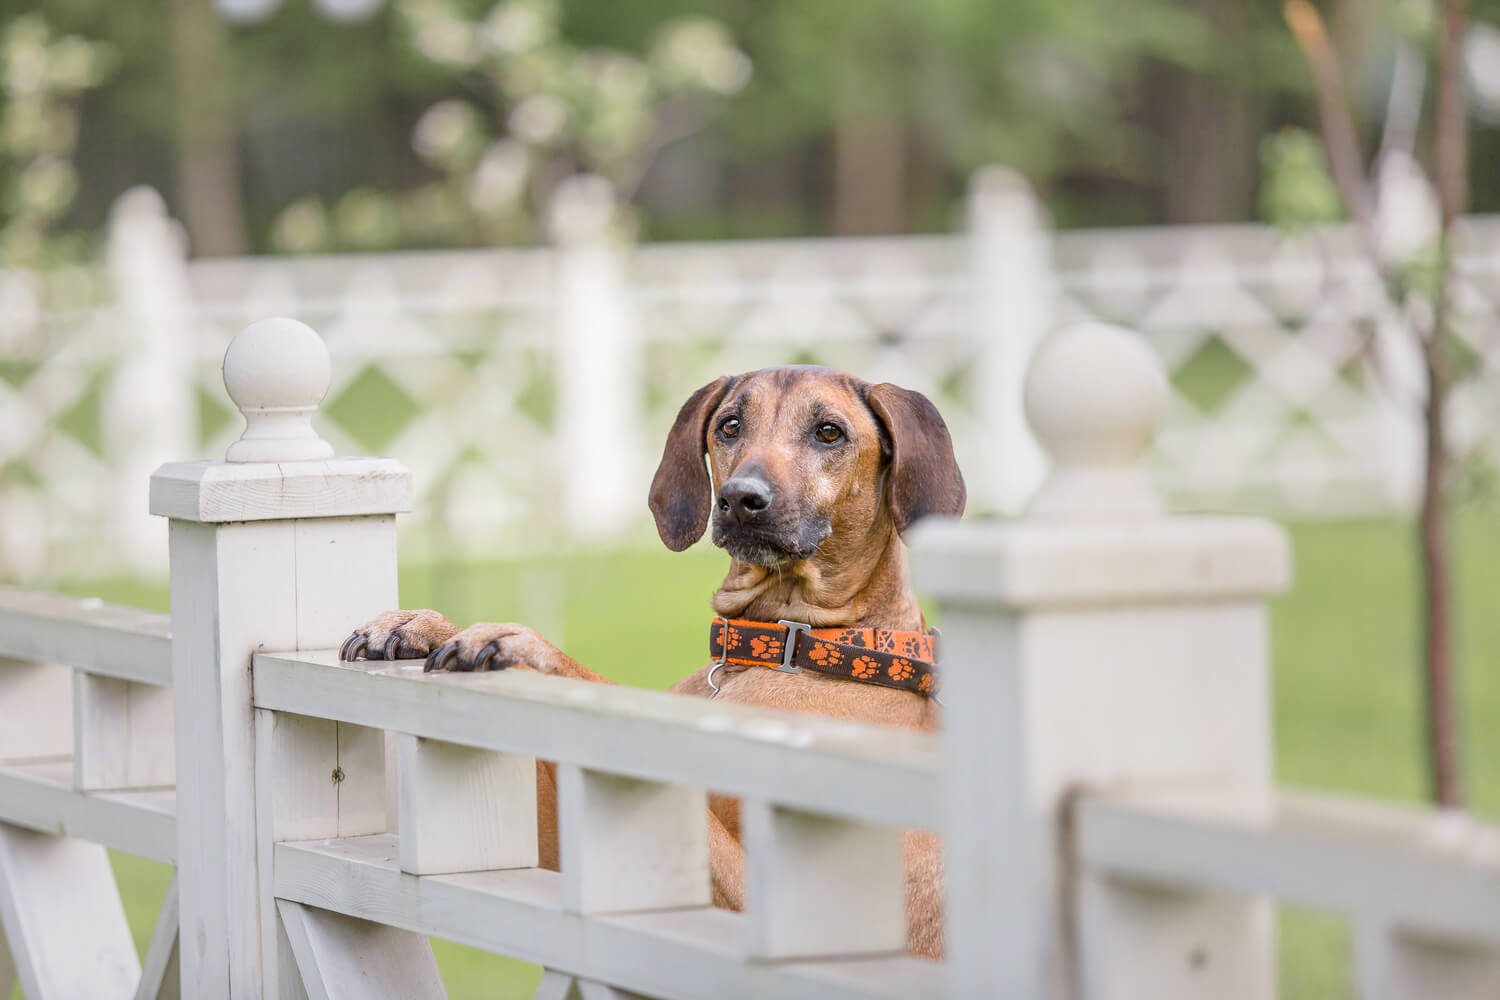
x=1101, y=781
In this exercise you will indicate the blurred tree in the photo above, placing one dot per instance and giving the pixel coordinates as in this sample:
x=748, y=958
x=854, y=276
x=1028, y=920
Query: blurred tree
x=43, y=76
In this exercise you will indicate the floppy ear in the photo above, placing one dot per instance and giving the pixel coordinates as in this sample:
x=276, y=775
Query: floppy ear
x=924, y=476
x=681, y=493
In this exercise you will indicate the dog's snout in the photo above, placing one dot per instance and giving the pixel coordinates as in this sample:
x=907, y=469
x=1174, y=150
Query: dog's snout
x=745, y=496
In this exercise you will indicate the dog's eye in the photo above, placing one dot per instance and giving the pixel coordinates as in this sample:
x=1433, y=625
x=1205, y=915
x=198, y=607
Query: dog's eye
x=829, y=433
x=729, y=428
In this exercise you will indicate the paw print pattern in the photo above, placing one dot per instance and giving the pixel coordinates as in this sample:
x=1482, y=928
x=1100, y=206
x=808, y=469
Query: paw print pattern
x=853, y=637
x=863, y=667
x=914, y=647
x=731, y=637
x=825, y=655
x=900, y=669
x=925, y=684
x=885, y=641
x=765, y=648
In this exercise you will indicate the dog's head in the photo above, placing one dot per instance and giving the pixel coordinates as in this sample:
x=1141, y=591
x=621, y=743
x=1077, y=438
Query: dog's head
x=800, y=454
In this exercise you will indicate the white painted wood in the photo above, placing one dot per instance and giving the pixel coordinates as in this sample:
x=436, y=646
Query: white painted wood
x=41, y=797
x=288, y=981
x=233, y=591
x=213, y=492
x=1095, y=641
x=626, y=844
x=1394, y=965
x=325, y=779
x=277, y=372
x=1010, y=269
x=868, y=772
x=63, y=920
x=561, y=986
x=86, y=634
x=36, y=704
x=122, y=734
x=1415, y=868
x=238, y=587
x=695, y=953
x=817, y=885
x=345, y=958
x=464, y=809
x=161, y=973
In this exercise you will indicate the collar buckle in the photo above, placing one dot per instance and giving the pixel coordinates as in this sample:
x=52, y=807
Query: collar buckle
x=790, y=647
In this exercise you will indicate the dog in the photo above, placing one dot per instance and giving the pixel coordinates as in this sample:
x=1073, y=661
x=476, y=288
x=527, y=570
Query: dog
x=819, y=475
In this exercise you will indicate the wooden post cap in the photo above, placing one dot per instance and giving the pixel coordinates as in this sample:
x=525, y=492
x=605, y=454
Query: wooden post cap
x=277, y=372
x=1095, y=394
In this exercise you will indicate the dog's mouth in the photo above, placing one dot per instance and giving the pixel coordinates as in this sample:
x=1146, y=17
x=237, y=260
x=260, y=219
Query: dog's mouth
x=769, y=547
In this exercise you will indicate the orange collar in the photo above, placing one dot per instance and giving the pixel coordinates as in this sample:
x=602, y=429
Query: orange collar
x=889, y=657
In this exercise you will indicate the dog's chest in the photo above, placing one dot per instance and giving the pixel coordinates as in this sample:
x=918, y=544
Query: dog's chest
x=832, y=696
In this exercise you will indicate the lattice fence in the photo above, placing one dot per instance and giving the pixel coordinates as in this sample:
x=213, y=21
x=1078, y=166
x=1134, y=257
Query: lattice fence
x=529, y=390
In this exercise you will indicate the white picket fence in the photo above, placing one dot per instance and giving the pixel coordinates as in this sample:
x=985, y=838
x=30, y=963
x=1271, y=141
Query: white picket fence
x=1101, y=780
x=527, y=388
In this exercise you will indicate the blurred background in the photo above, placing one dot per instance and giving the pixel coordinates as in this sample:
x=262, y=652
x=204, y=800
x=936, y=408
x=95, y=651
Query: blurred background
x=529, y=229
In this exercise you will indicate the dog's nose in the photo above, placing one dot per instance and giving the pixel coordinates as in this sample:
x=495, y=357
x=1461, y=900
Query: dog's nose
x=745, y=496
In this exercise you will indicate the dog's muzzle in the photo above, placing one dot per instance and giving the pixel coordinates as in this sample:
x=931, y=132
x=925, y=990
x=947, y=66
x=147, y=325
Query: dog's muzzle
x=751, y=524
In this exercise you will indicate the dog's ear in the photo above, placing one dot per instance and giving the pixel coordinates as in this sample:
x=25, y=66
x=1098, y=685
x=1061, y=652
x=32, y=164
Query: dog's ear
x=681, y=493
x=924, y=476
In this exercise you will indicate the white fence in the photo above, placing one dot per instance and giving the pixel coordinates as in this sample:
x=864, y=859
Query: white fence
x=519, y=384
x=1101, y=781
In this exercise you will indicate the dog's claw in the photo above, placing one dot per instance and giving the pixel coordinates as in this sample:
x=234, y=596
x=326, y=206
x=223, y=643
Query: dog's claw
x=438, y=658
x=353, y=646
x=486, y=654
x=392, y=645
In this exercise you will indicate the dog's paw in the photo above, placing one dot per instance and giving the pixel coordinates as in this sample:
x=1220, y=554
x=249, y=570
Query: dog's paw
x=398, y=635
x=491, y=646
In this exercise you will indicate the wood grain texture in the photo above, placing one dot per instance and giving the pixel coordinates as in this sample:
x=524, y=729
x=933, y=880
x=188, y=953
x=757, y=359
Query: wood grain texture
x=817, y=885
x=1432, y=875
x=628, y=845
x=693, y=953
x=41, y=797
x=344, y=958
x=220, y=492
x=36, y=704
x=86, y=634
x=122, y=734
x=463, y=809
x=841, y=768
x=62, y=918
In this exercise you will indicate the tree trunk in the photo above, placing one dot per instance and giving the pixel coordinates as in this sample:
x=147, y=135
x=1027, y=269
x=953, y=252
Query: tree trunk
x=1452, y=183
x=869, y=191
x=208, y=178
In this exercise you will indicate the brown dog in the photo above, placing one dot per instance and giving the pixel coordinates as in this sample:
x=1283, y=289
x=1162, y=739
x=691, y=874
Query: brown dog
x=820, y=473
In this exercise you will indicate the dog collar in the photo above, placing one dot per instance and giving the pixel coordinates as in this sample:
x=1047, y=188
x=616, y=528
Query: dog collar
x=889, y=657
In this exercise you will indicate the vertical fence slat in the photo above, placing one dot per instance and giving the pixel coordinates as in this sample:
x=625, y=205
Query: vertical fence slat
x=122, y=734
x=627, y=844
x=1394, y=965
x=464, y=809
x=820, y=885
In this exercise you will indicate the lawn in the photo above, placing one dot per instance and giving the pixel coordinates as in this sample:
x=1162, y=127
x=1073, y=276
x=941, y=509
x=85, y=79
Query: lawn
x=1346, y=687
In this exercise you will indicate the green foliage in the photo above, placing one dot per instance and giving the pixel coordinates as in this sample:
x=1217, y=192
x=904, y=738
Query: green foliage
x=43, y=76
x=1296, y=189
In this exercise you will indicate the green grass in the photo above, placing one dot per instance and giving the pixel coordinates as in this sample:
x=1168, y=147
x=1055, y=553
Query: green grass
x=1347, y=698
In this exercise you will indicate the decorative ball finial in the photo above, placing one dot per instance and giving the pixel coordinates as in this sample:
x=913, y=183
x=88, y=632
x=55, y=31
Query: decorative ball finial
x=277, y=372
x=1094, y=396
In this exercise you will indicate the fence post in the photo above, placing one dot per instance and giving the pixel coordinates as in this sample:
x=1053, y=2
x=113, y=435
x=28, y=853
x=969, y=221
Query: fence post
x=281, y=546
x=1013, y=304
x=598, y=359
x=148, y=408
x=1096, y=640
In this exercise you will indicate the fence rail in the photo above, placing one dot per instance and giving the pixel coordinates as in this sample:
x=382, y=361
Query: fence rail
x=1101, y=782
x=1294, y=388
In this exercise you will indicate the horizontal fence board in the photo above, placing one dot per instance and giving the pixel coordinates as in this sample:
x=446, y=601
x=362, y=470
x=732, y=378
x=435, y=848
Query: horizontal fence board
x=88, y=635
x=41, y=797
x=693, y=953
x=827, y=766
x=1416, y=869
